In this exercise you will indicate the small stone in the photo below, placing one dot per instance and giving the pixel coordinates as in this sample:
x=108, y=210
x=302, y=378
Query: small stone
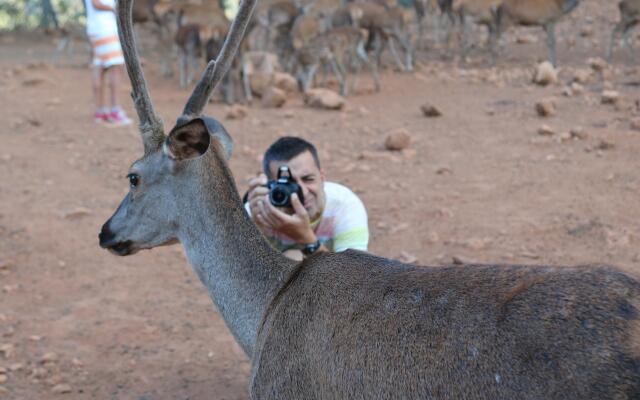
x=259, y=82
x=604, y=145
x=597, y=64
x=609, y=97
x=3, y=391
x=273, y=97
x=430, y=111
x=545, y=130
x=39, y=373
x=407, y=258
x=16, y=367
x=6, y=264
x=6, y=350
x=286, y=82
x=526, y=39
x=76, y=213
x=582, y=76
x=578, y=133
x=324, y=98
x=49, y=358
x=3, y=378
x=289, y=114
x=35, y=81
x=61, y=389
x=564, y=136
x=545, y=74
x=586, y=31
x=397, y=140
x=546, y=108
x=576, y=89
x=635, y=124
x=237, y=111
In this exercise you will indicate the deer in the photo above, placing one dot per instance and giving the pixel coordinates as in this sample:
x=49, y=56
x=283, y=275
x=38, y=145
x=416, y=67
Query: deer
x=544, y=13
x=333, y=48
x=481, y=12
x=353, y=325
x=385, y=25
x=629, y=18
x=281, y=18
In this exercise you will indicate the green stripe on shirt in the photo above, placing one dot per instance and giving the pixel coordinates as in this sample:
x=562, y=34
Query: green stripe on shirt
x=352, y=239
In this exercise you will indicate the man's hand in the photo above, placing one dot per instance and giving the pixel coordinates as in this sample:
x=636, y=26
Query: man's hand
x=265, y=215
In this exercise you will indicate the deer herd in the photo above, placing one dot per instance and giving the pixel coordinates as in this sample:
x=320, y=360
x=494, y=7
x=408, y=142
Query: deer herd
x=352, y=325
x=306, y=37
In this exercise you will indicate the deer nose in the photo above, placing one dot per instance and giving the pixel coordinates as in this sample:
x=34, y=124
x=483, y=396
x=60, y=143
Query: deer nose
x=106, y=236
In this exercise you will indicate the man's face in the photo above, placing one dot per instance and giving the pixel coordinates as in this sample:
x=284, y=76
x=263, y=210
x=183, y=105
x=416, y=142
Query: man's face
x=306, y=173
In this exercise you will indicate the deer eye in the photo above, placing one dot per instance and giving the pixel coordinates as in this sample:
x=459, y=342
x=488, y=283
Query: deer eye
x=134, y=179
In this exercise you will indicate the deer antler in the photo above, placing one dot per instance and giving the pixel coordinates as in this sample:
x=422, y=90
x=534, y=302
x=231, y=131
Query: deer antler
x=216, y=69
x=150, y=127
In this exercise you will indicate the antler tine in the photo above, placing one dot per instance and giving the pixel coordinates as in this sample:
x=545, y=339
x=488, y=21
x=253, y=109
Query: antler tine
x=150, y=127
x=216, y=69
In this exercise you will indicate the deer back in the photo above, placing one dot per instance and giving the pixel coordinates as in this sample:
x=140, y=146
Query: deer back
x=386, y=330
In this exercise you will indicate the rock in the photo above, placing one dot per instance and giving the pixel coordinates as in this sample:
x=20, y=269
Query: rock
x=546, y=108
x=429, y=110
x=61, y=389
x=576, y=89
x=324, y=98
x=76, y=213
x=397, y=140
x=286, y=82
x=604, y=145
x=237, y=111
x=545, y=74
x=6, y=350
x=34, y=81
x=259, y=82
x=586, y=31
x=609, y=97
x=582, y=76
x=526, y=39
x=578, y=133
x=273, y=97
x=3, y=378
x=635, y=124
x=545, y=130
x=49, y=358
x=597, y=64
x=407, y=258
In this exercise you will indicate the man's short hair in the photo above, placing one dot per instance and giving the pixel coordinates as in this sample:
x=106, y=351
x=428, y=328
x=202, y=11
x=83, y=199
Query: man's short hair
x=286, y=148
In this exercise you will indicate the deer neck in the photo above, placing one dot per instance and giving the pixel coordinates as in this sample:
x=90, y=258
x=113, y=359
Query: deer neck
x=239, y=268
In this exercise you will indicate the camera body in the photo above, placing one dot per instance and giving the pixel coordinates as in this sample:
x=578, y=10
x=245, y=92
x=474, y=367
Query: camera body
x=281, y=189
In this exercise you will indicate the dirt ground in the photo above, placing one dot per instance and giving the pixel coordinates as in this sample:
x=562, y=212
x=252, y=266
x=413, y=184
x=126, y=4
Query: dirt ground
x=478, y=184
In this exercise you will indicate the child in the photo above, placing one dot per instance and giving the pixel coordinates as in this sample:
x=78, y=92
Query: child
x=102, y=30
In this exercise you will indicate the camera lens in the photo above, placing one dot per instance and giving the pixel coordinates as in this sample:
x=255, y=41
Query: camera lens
x=279, y=197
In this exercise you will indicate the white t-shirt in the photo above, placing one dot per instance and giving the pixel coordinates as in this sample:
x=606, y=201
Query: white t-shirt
x=101, y=23
x=343, y=224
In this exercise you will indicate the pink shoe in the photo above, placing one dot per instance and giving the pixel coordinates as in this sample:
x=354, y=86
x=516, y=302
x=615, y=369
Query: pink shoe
x=101, y=117
x=118, y=117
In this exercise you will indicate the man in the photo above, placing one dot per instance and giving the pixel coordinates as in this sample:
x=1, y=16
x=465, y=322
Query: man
x=332, y=217
x=108, y=60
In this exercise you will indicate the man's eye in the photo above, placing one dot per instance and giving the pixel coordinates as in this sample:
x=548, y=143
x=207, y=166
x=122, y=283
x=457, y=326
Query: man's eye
x=133, y=180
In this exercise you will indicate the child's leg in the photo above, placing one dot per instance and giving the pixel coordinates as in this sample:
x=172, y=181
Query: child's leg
x=113, y=73
x=97, y=84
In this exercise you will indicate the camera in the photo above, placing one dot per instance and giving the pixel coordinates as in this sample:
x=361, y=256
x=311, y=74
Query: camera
x=281, y=189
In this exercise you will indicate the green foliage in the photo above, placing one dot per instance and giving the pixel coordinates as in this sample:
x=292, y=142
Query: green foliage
x=29, y=14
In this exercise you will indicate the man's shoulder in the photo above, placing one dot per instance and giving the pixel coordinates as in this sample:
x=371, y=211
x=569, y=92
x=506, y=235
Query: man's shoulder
x=340, y=196
x=337, y=190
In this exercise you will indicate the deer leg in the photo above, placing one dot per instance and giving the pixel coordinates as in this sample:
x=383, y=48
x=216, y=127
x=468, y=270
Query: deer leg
x=626, y=35
x=550, y=28
x=183, y=69
x=247, y=85
x=614, y=34
x=340, y=75
x=394, y=53
x=362, y=54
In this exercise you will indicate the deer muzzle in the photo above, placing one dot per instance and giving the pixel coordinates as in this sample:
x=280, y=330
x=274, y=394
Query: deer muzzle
x=108, y=241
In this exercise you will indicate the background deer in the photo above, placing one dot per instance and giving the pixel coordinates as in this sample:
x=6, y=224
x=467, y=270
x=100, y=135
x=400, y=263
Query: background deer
x=479, y=11
x=544, y=13
x=334, y=49
x=385, y=25
x=629, y=18
x=352, y=325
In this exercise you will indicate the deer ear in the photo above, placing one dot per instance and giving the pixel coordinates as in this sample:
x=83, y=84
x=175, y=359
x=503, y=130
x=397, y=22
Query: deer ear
x=188, y=140
x=216, y=130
